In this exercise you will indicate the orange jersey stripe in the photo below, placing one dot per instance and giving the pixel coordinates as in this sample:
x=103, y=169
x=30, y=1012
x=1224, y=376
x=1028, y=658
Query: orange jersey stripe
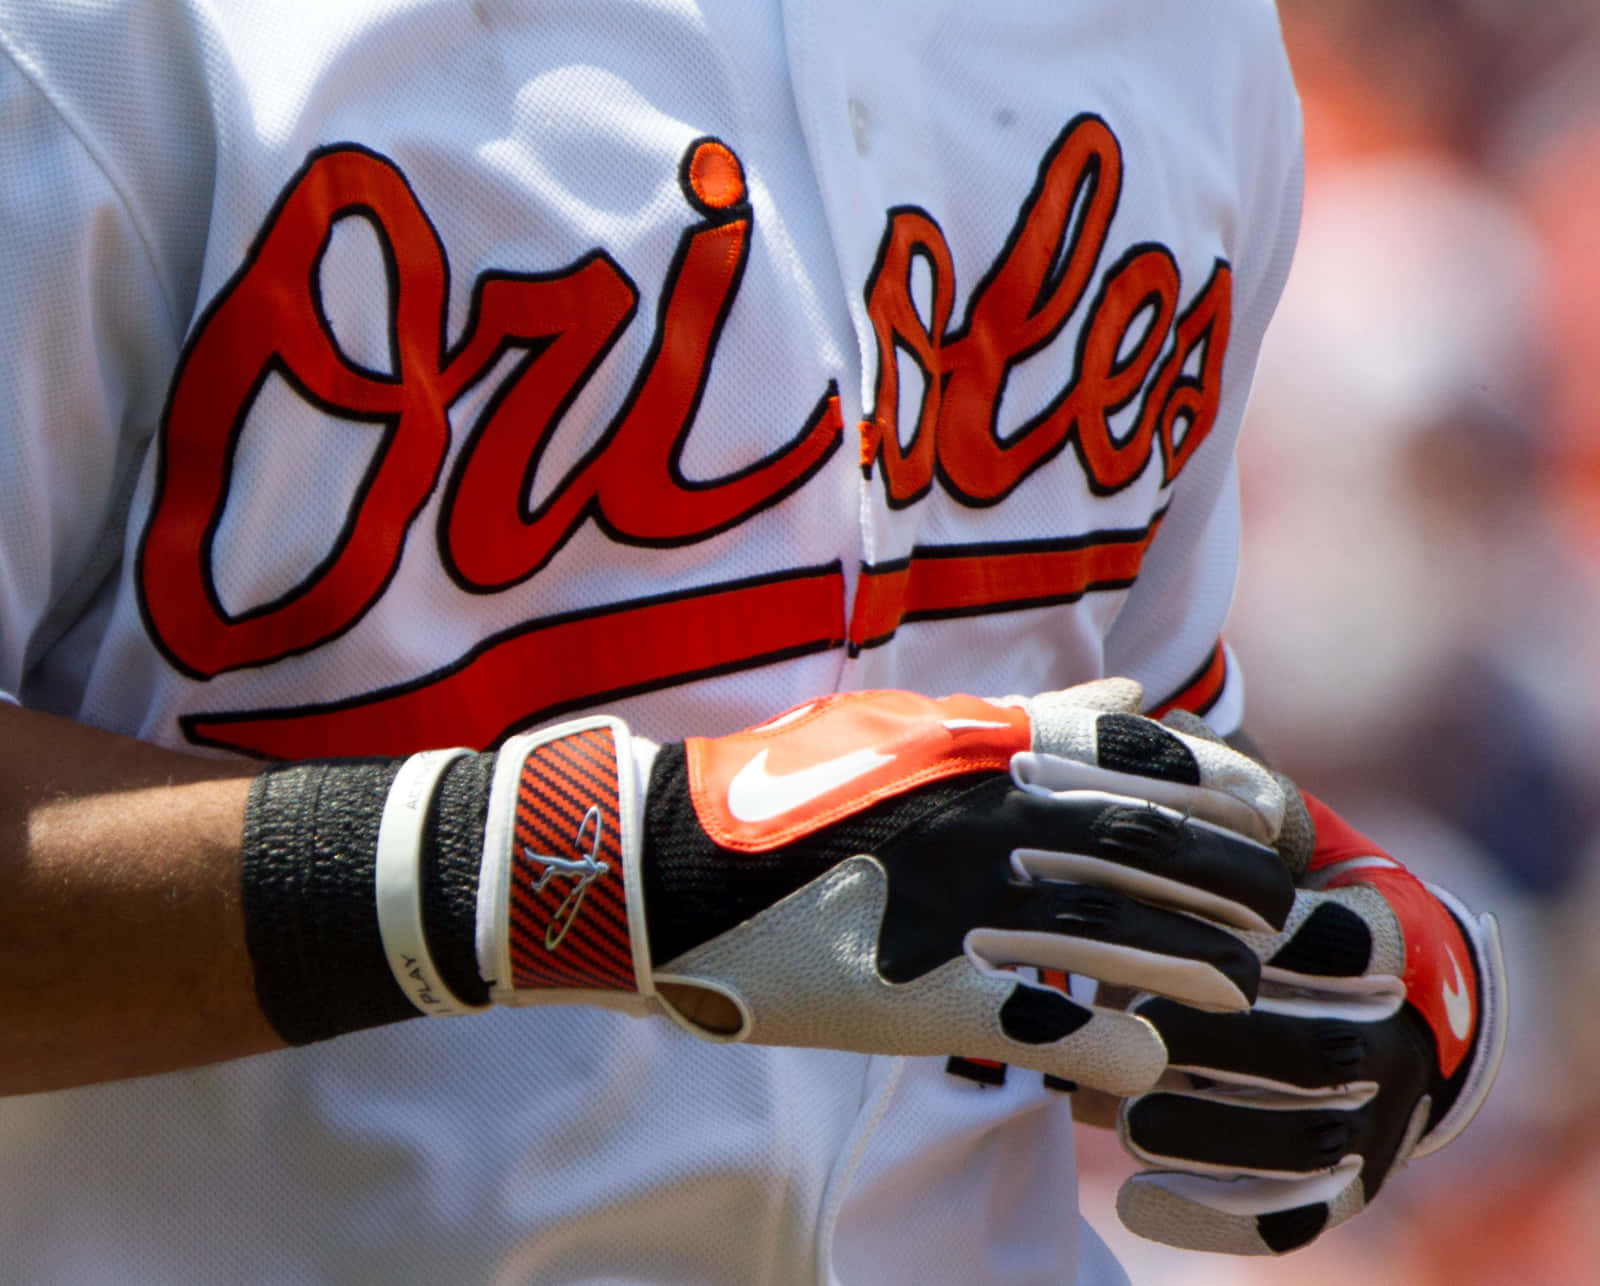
x=940, y=582
x=1202, y=689
x=547, y=667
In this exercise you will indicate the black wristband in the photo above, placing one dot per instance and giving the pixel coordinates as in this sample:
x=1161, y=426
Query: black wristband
x=311, y=925
x=310, y=833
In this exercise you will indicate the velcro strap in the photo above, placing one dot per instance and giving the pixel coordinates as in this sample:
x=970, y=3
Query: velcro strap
x=557, y=906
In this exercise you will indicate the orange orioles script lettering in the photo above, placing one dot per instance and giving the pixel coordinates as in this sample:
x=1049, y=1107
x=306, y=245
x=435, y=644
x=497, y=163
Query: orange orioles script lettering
x=1139, y=346
x=268, y=320
x=1019, y=306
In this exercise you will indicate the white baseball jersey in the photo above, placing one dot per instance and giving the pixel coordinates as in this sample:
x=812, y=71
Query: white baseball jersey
x=380, y=374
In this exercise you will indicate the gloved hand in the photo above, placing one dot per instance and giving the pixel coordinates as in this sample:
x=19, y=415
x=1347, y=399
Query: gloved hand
x=862, y=872
x=1376, y=1035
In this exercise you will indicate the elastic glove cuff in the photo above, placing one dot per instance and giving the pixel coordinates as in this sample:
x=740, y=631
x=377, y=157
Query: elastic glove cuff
x=1483, y=935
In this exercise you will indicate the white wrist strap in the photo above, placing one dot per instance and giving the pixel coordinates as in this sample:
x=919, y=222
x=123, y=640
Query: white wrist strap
x=398, y=884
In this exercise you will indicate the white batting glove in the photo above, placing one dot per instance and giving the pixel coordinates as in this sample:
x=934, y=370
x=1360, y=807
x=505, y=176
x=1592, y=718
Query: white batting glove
x=1374, y=1040
x=862, y=873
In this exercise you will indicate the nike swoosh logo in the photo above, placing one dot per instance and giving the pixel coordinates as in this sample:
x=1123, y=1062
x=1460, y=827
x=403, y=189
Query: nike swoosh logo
x=1457, y=1008
x=755, y=795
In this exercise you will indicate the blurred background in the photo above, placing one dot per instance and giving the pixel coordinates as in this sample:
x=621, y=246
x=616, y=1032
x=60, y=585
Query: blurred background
x=1418, y=615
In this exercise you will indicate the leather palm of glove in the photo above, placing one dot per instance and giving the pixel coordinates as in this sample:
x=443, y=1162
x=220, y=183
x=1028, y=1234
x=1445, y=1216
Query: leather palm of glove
x=867, y=872
x=1375, y=1038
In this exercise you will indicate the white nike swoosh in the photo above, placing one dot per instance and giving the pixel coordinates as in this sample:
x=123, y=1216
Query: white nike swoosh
x=755, y=795
x=1457, y=1008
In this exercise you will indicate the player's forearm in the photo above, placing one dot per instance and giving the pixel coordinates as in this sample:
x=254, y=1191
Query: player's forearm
x=122, y=943
x=164, y=912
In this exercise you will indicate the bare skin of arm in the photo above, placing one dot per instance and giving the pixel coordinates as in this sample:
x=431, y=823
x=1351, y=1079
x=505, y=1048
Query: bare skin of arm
x=122, y=943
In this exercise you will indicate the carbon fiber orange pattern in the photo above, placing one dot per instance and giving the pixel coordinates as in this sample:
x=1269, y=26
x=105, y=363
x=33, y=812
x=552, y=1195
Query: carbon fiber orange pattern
x=569, y=911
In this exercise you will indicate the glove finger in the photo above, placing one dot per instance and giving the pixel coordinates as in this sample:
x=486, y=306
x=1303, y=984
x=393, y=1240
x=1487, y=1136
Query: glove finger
x=1297, y=837
x=1237, y=1217
x=1345, y=943
x=1115, y=694
x=973, y=864
x=1105, y=1049
x=1101, y=934
x=1153, y=853
x=1209, y=1135
x=1077, y=748
x=1262, y=1047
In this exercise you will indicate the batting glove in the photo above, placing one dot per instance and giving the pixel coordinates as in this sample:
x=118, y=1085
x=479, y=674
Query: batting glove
x=1374, y=1040
x=867, y=872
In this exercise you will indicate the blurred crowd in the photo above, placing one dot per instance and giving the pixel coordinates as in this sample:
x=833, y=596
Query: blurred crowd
x=1418, y=615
